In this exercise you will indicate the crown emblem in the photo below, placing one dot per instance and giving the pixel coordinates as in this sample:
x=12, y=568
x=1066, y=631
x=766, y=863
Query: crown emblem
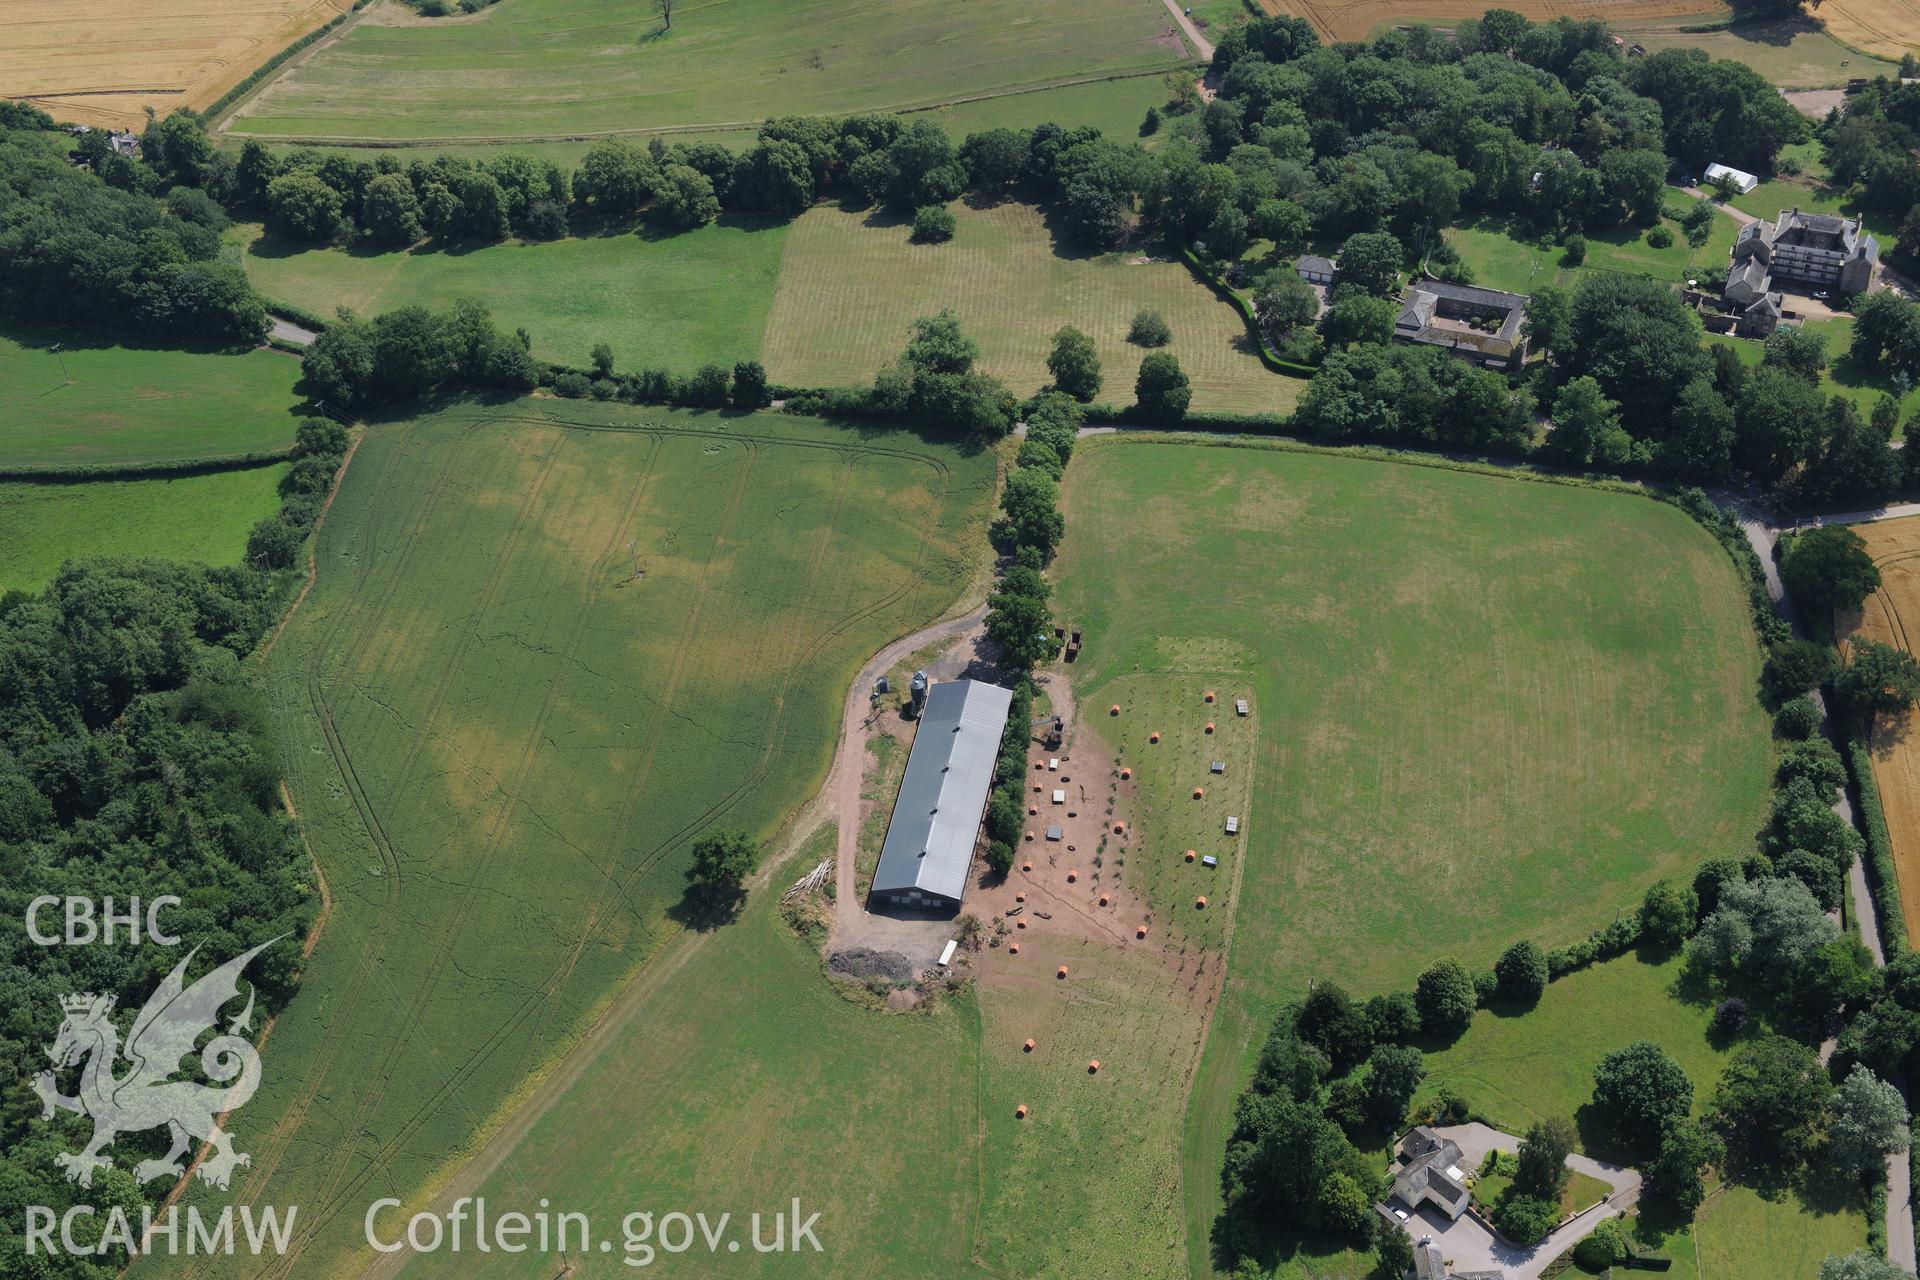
x=81, y=1003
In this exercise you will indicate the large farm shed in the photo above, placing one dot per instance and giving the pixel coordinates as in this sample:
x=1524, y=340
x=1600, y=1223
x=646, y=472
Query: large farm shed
x=936, y=819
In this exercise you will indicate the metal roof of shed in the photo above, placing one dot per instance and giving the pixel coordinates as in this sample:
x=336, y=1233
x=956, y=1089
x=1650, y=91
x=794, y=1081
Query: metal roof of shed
x=943, y=794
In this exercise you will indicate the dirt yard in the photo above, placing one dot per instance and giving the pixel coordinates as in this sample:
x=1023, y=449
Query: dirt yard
x=103, y=67
x=1892, y=616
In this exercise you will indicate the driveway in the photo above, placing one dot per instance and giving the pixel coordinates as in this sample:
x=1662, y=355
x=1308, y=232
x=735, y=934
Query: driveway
x=1469, y=1246
x=1201, y=45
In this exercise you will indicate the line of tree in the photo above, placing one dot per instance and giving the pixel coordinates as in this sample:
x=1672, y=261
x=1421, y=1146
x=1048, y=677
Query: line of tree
x=77, y=249
x=319, y=447
x=411, y=352
x=711, y=386
x=1029, y=530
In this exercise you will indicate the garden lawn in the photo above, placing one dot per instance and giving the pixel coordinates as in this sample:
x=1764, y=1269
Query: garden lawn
x=196, y=519
x=1501, y=260
x=1809, y=191
x=852, y=283
x=662, y=301
x=502, y=744
x=1486, y=708
x=564, y=68
x=1519, y=1068
x=1738, y=1235
x=94, y=403
x=1860, y=385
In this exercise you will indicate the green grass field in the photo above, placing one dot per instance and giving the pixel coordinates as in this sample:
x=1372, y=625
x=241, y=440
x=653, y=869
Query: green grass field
x=501, y=744
x=670, y=301
x=95, y=404
x=1500, y=260
x=851, y=283
x=1484, y=709
x=191, y=518
x=561, y=68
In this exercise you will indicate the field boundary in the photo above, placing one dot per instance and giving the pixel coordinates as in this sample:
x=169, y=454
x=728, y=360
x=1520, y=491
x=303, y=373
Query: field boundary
x=177, y=470
x=714, y=126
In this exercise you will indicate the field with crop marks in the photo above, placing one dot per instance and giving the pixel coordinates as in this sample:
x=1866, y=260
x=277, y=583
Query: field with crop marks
x=96, y=404
x=104, y=67
x=745, y=1081
x=661, y=301
x=563, y=68
x=1115, y=107
x=197, y=519
x=1484, y=708
x=501, y=741
x=851, y=284
x=1892, y=616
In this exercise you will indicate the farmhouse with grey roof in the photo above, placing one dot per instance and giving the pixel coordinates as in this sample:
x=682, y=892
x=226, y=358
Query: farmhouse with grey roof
x=1482, y=325
x=943, y=796
x=1430, y=1173
x=1430, y=1264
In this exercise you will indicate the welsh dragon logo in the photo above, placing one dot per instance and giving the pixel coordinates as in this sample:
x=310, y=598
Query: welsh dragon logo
x=145, y=1096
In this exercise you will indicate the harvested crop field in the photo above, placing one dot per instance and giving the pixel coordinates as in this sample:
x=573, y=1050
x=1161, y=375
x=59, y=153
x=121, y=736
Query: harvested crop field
x=852, y=282
x=502, y=742
x=1341, y=20
x=1892, y=616
x=104, y=67
x=568, y=68
x=1887, y=28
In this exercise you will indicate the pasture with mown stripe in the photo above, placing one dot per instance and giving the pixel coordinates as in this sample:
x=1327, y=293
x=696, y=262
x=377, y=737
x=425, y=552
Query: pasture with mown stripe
x=662, y=301
x=501, y=740
x=1489, y=708
x=74, y=401
x=566, y=68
